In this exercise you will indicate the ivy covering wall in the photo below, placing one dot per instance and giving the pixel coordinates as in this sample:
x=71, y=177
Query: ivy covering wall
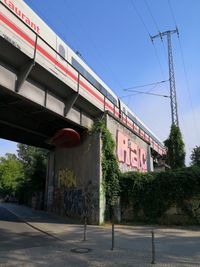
x=152, y=194
x=149, y=195
x=110, y=168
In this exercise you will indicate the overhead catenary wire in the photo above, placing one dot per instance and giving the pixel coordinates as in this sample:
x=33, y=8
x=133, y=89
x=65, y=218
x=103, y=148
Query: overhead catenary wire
x=141, y=92
x=144, y=85
x=136, y=92
x=148, y=33
x=147, y=93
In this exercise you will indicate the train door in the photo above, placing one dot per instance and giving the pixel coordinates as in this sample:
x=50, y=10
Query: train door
x=65, y=71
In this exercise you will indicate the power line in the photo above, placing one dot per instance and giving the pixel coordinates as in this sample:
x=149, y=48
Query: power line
x=172, y=13
x=158, y=59
x=144, y=85
x=148, y=32
x=188, y=88
x=140, y=92
x=146, y=93
x=151, y=14
x=140, y=17
x=156, y=24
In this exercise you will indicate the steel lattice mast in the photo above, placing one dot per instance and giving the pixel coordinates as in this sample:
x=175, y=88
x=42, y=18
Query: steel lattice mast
x=174, y=109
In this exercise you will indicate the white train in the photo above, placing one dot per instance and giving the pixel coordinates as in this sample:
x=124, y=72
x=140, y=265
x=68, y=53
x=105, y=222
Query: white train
x=20, y=25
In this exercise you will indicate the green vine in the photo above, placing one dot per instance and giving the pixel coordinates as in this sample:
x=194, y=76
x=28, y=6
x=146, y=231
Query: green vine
x=152, y=194
x=110, y=167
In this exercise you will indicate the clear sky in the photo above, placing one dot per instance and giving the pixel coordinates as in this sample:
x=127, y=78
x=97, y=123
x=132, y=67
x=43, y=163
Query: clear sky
x=113, y=38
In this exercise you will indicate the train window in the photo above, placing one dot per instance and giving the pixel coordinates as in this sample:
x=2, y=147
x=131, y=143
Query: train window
x=111, y=98
x=93, y=81
x=131, y=117
x=77, y=66
x=61, y=51
x=103, y=90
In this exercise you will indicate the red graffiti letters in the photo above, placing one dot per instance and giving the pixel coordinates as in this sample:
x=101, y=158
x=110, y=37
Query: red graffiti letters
x=130, y=153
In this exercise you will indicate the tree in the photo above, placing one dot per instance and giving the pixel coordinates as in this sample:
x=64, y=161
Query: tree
x=195, y=156
x=34, y=162
x=176, y=149
x=11, y=174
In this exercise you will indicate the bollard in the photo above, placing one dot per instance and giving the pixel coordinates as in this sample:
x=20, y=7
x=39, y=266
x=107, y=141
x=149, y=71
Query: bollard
x=85, y=226
x=113, y=234
x=153, y=247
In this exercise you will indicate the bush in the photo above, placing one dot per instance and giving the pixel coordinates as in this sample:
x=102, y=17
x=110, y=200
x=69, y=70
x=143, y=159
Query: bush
x=154, y=193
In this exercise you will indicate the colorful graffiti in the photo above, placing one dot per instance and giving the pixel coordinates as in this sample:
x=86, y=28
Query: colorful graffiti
x=74, y=203
x=67, y=194
x=130, y=153
x=66, y=178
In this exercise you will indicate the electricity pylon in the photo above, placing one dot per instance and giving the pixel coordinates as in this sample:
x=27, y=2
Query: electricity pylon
x=174, y=109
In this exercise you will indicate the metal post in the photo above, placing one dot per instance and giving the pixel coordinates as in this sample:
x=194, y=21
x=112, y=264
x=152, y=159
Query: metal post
x=85, y=228
x=113, y=230
x=153, y=247
x=113, y=235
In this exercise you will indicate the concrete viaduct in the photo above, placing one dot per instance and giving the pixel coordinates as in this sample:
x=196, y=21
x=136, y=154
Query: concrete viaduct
x=35, y=104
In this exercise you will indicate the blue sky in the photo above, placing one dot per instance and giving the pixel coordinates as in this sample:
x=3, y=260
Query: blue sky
x=112, y=39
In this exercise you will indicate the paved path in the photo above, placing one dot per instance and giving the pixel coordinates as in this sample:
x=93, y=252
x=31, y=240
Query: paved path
x=55, y=237
x=15, y=234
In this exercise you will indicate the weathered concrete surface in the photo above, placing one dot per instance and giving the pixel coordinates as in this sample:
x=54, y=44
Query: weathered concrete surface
x=74, y=172
x=174, y=246
x=74, y=178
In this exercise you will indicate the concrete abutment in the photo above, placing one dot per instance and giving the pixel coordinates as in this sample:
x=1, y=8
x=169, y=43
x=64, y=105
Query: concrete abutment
x=74, y=177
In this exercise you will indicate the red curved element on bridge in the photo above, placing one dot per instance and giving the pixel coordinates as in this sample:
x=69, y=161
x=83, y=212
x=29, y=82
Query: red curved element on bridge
x=66, y=138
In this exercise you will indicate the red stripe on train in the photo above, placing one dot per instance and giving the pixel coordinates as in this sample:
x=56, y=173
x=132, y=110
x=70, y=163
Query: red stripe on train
x=52, y=59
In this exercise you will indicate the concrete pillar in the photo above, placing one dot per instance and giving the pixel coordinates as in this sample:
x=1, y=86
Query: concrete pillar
x=77, y=179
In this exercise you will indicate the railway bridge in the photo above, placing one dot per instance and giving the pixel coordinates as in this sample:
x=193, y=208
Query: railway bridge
x=42, y=93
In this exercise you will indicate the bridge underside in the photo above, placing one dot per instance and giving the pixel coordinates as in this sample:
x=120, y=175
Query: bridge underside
x=35, y=113
x=25, y=122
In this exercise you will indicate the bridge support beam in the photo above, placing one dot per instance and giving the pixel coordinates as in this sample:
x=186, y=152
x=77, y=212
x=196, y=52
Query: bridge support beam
x=70, y=103
x=23, y=74
x=25, y=70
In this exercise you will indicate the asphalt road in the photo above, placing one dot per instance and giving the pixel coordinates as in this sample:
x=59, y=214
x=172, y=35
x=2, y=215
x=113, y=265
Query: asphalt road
x=15, y=234
x=24, y=246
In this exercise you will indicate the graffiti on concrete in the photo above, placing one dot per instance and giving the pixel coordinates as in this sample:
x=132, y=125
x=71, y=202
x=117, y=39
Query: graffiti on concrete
x=66, y=178
x=58, y=199
x=130, y=153
x=74, y=201
x=91, y=199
